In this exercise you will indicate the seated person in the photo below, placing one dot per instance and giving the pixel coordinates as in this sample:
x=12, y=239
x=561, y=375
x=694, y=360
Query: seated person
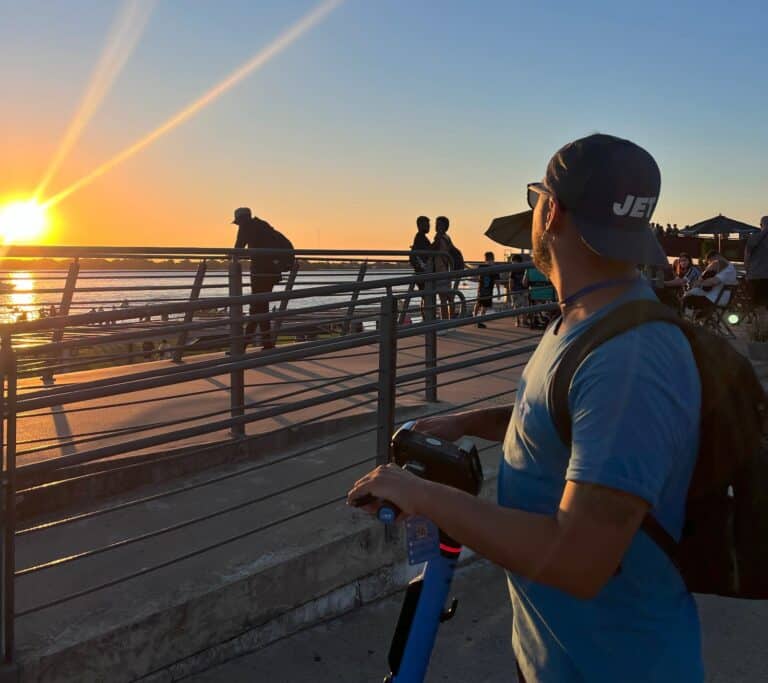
x=706, y=290
x=684, y=271
x=540, y=291
x=517, y=294
x=682, y=275
x=659, y=276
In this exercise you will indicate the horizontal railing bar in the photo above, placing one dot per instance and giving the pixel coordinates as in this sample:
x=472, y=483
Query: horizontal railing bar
x=480, y=349
x=26, y=251
x=198, y=484
x=186, y=394
x=418, y=329
x=201, y=370
x=146, y=442
x=189, y=432
x=62, y=321
x=35, y=363
x=459, y=365
x=172, y=327
x=187, y=522
x=76, y=440
x=223, y=542
x=186, y=556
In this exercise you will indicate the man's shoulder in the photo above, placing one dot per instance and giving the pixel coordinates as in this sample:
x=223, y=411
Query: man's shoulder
x=655, y=348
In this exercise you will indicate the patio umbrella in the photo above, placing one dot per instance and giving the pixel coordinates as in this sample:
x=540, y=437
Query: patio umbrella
x=720, y=225
x=512, y=231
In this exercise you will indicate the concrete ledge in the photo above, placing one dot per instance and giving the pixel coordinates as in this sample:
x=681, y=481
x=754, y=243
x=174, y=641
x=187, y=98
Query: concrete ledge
x=211, y=622
x=383, y=581
x=340, y=561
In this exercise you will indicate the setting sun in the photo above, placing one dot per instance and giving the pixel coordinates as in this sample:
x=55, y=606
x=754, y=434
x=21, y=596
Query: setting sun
x=23, y=221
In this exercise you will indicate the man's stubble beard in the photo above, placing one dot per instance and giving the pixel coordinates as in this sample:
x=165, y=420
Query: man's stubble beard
x=542, y=259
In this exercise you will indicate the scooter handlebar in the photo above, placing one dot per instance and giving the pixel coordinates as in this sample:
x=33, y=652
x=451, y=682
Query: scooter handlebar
x=387, y=512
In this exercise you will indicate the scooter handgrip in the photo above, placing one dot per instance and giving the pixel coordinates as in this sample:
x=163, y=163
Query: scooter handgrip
x=387, y=512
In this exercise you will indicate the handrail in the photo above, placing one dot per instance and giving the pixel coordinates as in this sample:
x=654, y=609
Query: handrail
x=25, y=251
x=71, y=455
x=216, y=302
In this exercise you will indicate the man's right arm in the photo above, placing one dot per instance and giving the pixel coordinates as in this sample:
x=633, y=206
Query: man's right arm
x=489, y=424
x=240, y=241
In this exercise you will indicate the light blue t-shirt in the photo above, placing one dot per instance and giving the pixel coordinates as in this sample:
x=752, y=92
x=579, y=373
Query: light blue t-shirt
x=635, y=405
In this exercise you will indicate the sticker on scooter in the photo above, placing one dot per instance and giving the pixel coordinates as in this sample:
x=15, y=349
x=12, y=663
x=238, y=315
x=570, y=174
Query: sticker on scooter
x=423, y=540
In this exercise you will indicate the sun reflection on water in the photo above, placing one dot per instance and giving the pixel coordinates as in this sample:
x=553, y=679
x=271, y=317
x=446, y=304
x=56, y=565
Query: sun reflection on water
x=17, y=293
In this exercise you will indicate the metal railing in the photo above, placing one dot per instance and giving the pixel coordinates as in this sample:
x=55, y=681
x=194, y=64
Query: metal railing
x=380, y=300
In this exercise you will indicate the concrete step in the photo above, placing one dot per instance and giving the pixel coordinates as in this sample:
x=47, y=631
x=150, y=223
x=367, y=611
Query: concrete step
x=217, y=604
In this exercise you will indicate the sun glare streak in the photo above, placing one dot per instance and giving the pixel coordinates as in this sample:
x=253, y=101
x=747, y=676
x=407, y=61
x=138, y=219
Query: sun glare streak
x=123, y=36
x=284, y=40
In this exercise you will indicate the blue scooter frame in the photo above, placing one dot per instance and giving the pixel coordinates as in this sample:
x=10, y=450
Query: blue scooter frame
x=424, y=604
x=420, y=617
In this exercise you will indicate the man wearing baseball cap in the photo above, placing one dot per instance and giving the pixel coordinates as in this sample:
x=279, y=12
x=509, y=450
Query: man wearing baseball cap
x=266, y=268
x=593, y=597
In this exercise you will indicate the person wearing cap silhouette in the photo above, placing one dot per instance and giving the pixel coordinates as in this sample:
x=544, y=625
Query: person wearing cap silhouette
x=756, y=265
x=255, y=233
x=593, y=597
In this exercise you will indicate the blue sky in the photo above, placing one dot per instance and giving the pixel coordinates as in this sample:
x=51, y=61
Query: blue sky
x=386, y=110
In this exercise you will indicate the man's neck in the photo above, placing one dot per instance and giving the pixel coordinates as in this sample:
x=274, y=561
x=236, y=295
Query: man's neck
x=568, y=284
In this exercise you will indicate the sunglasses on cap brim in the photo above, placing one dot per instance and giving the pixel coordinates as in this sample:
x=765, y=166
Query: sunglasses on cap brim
x=534, y=191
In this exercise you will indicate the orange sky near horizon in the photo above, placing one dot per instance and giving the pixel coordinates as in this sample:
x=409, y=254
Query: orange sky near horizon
x=152, y=201
x=155, y=199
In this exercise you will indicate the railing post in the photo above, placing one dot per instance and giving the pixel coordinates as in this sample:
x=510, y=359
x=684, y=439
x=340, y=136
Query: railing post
x=8, y=436
x=194, y=295
x=284, y=303
x=387, y=378
x=236, y=347
x=66, y=302
x=430, y=342
x=406, y=303
x=353, y=299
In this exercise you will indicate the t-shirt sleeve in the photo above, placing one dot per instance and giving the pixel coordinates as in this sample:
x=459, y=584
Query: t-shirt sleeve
x=627, y=416
x=728, y=276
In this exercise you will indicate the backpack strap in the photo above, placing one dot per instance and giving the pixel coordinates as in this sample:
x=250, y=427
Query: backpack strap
x=624, y=318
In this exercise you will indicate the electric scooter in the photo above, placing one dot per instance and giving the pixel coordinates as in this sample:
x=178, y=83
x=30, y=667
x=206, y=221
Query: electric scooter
x=423, y=609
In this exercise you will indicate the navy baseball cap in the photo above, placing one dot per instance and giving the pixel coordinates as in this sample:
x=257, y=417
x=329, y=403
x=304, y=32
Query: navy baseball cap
x=610, y=188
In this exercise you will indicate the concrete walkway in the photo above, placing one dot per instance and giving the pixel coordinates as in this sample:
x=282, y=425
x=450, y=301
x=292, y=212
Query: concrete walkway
x=475, y=644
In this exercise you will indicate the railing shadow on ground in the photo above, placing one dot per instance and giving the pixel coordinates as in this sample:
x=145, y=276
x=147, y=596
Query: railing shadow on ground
x=380, y=305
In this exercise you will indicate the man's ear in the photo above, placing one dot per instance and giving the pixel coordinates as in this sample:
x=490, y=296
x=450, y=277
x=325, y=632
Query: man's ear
x=554, y=216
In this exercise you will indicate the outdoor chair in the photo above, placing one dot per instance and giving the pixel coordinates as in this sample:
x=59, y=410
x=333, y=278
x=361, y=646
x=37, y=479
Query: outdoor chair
x=742, y=303
x=540, y=293
x=716, y=317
